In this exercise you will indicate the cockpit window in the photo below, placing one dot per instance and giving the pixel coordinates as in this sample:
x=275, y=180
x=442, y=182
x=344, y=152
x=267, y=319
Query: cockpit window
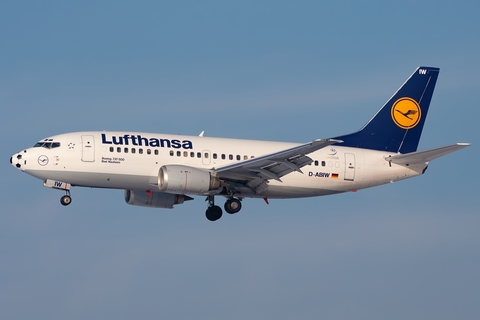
x=47, y=145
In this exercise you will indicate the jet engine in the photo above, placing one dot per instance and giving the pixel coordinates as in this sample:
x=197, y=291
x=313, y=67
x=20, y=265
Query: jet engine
x=154, y=199
x=183, y=180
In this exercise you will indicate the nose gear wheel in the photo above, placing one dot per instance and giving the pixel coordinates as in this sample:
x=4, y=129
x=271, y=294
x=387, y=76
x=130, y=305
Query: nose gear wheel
x=66, y=199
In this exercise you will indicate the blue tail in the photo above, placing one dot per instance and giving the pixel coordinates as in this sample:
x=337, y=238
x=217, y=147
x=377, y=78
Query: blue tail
x=398, y=125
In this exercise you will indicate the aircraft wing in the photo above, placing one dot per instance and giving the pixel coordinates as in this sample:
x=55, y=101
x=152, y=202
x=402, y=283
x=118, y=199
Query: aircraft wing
x=256, y=171
x=425, y=156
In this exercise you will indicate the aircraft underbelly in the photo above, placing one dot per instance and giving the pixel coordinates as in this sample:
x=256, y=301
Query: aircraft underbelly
x=281, y=192
x=98, y=179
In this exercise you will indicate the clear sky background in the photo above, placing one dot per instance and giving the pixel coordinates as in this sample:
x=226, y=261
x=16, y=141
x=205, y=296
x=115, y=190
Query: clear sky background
x=286, y=71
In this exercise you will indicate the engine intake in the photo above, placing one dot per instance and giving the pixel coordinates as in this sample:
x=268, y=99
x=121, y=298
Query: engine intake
x=186, y=180
x=154, y=199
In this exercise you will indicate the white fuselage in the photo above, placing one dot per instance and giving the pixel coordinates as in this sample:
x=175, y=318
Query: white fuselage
x=121, y=160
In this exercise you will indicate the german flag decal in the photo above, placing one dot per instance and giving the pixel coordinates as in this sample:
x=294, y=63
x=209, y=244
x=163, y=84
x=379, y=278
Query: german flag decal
x=335, y=175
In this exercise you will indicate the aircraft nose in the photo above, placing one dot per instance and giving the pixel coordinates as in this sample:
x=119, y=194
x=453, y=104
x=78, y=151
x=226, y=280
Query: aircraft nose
x=18, y=160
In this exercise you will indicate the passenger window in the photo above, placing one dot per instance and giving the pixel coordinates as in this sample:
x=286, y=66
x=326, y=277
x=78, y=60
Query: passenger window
x=199, y=154
x=206, y=155
x=192, y=154
x=171, y=153
x=111, y=149
x=223, y=156
x=230, y=156
x=185, y=153
x=140, y=151
x=214, y=156
x=119, y=149
x=133, y=150
x=156, y=152
x=245, y=157
x=125, y=150
x=238, y=157
x=316, y=163
x=149, y=151
x=323, y=163
x=179, y=154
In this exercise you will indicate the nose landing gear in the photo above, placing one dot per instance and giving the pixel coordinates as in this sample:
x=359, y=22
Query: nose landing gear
x=59, y=185
x=66, y=199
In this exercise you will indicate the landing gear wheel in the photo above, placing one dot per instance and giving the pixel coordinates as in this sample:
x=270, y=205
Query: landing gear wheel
x=233, y=205
x=65, y=200
x=213, y=213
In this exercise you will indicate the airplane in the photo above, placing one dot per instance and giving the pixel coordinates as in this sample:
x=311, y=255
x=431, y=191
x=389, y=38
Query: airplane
x=163, y=170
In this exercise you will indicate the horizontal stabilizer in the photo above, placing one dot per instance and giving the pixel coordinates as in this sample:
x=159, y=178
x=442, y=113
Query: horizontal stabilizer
x=425, y=156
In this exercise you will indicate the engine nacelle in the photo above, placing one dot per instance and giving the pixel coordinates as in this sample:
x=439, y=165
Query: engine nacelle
x=154, y=199
x=186, y=180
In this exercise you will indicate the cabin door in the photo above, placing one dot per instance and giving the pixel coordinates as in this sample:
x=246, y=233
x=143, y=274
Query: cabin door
x=88, y=149
x=349, y=166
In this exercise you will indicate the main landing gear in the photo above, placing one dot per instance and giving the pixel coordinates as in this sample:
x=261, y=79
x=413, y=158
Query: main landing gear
x=213, y=213
x=232, y=205
x=66, y=199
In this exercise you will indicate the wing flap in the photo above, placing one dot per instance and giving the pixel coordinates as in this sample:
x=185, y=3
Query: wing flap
x=425, y=156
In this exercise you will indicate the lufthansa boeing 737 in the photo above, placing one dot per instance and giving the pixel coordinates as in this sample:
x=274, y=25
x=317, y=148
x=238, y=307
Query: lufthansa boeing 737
x=163, y=170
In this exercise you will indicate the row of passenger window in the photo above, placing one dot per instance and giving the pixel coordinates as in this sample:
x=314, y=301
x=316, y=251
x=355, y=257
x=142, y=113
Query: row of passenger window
x=133, y=150
x=192, y=154
x=206, y=155
x=316, y=163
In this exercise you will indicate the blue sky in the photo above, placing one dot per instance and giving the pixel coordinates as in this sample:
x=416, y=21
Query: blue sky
x=286, y=71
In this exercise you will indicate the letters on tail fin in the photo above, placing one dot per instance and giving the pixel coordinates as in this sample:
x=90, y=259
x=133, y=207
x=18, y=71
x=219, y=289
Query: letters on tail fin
x=398, y=125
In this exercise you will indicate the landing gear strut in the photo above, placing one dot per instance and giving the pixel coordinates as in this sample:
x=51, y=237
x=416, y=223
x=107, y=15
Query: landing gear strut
x=213, y=212
x=66, y=199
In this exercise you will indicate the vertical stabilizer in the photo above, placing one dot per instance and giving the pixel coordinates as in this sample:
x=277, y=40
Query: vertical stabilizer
x=398, y=125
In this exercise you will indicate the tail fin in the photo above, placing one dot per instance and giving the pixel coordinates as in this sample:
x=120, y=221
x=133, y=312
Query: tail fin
x=398, y=125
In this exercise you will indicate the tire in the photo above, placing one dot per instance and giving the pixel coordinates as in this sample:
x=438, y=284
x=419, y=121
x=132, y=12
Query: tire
x=65, y=200
x=233, y=206
x=213, y=213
